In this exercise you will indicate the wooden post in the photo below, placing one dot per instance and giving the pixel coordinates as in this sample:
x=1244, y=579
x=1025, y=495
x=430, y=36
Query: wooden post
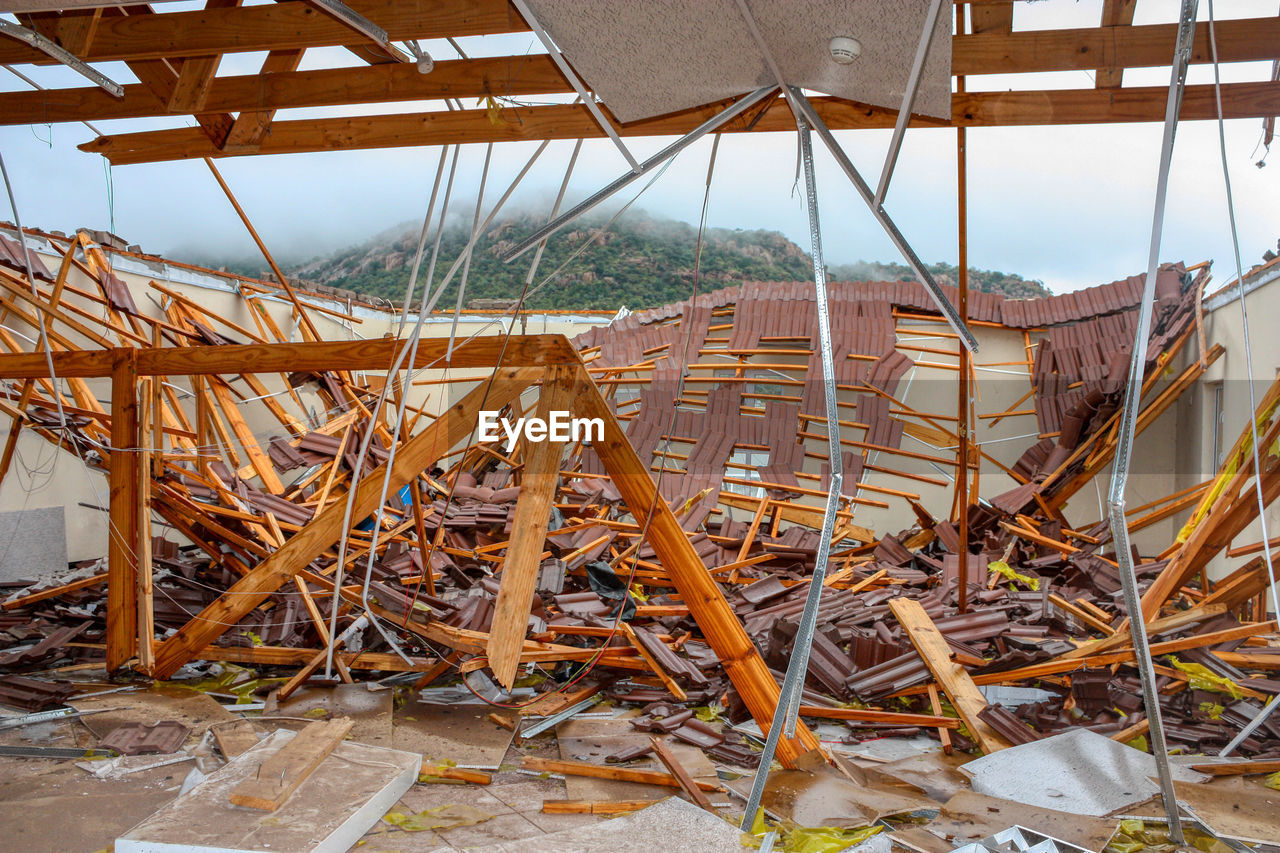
x=707, y=604
x=122, y=552
x=147, y=438
x=528, y=532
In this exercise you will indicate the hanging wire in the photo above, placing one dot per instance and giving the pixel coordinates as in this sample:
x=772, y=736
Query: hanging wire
x=1244, y=321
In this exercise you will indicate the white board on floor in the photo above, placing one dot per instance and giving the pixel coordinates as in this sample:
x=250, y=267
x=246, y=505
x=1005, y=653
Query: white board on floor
x=345, y=796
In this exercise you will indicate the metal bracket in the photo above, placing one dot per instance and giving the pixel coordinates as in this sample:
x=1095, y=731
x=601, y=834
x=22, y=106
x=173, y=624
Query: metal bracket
x=367, y=28
x=66, y=57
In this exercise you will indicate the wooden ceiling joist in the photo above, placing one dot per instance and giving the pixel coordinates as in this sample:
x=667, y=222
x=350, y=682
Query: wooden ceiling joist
x=973, y=109
x=293, y=25
x=279, y=87
x=278, y=26
x=175, y=57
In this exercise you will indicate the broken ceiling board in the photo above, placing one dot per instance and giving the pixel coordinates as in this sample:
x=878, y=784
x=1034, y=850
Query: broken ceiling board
x=33, y=543
x=968, y=817
x=368, y=710
x=281, y=774
x=196, y=710
x=346, y=795
x=462, y=734
x=1236, y=808
x=658, y=56
x=235, y=738
x=654, y=828
x=935, y=774
x=37, y=798
x=826, y=798
x=1078, y=770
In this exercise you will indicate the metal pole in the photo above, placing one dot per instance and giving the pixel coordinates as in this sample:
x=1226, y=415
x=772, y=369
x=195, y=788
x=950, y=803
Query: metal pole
x=909, y=98
x=1128, y=423
x=788, y=709
x=557, y=57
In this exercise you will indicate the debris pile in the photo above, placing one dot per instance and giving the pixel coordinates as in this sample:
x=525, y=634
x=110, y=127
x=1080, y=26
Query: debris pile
x=455, y=559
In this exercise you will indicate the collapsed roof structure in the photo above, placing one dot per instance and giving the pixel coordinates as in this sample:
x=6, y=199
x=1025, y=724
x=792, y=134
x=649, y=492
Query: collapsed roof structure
x=781, y=512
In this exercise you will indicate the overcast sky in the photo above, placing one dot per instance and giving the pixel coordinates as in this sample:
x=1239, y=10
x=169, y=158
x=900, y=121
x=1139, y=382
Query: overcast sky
x=1071, y=206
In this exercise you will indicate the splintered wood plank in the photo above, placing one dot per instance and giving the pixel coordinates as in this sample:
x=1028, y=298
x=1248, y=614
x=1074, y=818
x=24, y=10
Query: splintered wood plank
x=594, y=806
x=1239, y=768
x=687, y=783
x=528, y=532
x=952, y=677
x=601, y=771
x=281, y=774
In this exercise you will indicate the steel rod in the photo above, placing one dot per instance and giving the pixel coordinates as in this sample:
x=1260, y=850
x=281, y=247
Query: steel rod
x=52, y=49
x=788, y=709
x=908, y=100
x=1128, y=428
x=558, y=58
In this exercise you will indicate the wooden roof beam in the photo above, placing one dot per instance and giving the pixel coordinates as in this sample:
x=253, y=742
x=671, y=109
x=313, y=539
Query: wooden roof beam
x=293, y=24
x=280, y=86
x=991, y=17
x=279, y=26
x=251, y=125
x=1115, y=13
x=973, y=109
x=159, y=76
x=1150, y=45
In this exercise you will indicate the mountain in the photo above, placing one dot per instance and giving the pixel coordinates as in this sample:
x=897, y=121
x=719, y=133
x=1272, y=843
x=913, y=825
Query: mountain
x=640, y=262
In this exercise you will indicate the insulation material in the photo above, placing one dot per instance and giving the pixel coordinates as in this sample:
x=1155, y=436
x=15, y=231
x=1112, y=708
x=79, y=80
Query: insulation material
x=658, y=56
x=347, y=794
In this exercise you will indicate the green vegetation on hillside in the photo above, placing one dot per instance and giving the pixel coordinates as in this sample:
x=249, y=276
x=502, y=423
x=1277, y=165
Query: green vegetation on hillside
x=639, y=262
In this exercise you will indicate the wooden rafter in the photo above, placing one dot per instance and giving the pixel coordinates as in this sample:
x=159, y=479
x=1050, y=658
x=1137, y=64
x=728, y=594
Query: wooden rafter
x=294, y=25
x=973, y=109
x=1115, y=13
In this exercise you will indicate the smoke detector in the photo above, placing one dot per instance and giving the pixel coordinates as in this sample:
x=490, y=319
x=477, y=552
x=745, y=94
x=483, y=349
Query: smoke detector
x=845, y=50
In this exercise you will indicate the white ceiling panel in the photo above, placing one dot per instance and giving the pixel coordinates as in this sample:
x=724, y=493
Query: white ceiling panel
x=649, y=57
